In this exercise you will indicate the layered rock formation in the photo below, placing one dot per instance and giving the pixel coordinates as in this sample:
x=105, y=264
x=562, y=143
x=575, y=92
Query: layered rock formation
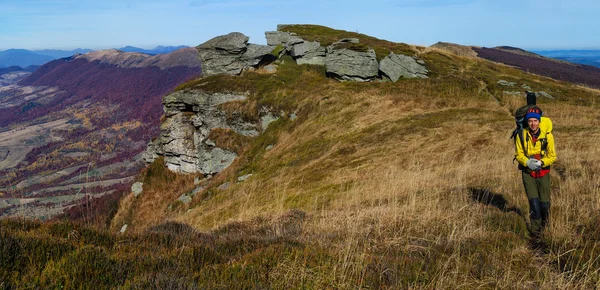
x=351, y=65
x=183, y=139
x=191, y=115
x=231, y=54
x=345, y=60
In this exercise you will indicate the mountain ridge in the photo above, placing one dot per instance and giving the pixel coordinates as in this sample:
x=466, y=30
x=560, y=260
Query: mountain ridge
x=377, y=184
x=24, y=57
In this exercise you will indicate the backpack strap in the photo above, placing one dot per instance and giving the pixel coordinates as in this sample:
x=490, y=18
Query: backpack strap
x=544, y=145
x=523, y=132
x=519, y=132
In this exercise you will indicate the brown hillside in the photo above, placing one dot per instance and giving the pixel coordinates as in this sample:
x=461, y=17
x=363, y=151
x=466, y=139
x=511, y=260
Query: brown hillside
x=564, y=71
x=414, y=179
x=75, y=127
x=378, y=185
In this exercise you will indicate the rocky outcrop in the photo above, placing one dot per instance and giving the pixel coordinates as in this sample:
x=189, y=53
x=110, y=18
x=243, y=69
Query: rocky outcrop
x=351, y=65
x=346, y=60
x=231, y=54
x=396, y=66
x=304, y=52
x=183, y=140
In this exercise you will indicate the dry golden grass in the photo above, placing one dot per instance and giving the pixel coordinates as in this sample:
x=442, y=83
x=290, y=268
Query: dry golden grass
x=160, y=191
x=411, y=184
x=461, y=50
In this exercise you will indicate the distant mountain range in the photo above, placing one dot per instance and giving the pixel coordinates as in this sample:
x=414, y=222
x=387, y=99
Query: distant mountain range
x=587, y=57
x=538, y=64
x=25, y=58
x=157, y=50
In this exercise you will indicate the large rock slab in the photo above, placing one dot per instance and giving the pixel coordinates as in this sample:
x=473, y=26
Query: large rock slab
x=309, y=52
x=350, y=65
x=232, y=43
x=397, y=66
x=231, y=54
x=275, y=38
x=215, y=62
x=302, y=48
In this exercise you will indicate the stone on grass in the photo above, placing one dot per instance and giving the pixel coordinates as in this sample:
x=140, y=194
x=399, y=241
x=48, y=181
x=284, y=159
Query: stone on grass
x=506, y=83
x=244, y=177
x=270, y=68
x=525, y=86
x=137, y=188
x=267, y=119
x=351, y=65
x=224, y=186
x=544, y=94
x=185, y=199
x=397, y=66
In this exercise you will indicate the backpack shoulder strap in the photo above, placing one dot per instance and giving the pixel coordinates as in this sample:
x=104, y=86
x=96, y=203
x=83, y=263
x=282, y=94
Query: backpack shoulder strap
x=521, y=133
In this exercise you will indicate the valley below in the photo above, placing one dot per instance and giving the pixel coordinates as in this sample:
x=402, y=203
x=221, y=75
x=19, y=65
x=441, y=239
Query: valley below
x=76, y=127
x=326, y=159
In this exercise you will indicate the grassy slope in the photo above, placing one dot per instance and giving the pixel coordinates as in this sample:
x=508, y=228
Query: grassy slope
x=380, y=185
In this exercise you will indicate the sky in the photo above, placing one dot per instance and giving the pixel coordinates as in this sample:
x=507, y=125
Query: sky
x=101, y=24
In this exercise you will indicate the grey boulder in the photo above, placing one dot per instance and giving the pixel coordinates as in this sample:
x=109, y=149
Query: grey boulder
x=231, y=54
x=233, y=43
x=349, y=65
x=281, y=38
x=137, y=188
x=309, y=52
x=396, y=66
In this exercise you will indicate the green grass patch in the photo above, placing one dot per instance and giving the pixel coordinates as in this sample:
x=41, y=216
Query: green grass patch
x=326, y=36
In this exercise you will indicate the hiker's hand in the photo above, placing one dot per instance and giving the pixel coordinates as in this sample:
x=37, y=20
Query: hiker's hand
x=533, y=164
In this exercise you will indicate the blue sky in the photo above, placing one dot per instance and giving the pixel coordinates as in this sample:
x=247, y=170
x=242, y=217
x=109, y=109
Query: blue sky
x=69, y=24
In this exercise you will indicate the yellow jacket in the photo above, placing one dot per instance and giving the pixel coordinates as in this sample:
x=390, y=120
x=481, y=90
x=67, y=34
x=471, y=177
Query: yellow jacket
x=548, y=156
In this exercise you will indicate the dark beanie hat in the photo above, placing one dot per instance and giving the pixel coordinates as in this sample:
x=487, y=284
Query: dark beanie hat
x=534, y=112
x=531, y=98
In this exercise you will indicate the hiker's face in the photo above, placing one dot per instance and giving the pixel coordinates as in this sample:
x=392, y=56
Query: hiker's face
x=534, y=124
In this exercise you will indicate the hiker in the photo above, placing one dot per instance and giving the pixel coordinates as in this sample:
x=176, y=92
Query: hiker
x=534, y=150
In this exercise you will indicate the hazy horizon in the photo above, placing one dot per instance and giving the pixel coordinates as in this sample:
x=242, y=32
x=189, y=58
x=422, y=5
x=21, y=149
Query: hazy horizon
x=70, y=24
